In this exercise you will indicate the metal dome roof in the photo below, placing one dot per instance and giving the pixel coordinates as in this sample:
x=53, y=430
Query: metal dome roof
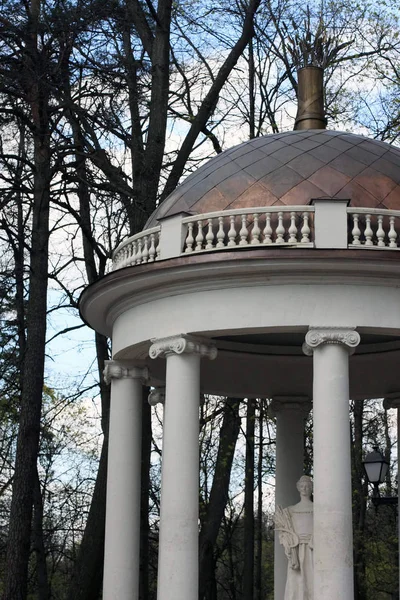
x=291, y=168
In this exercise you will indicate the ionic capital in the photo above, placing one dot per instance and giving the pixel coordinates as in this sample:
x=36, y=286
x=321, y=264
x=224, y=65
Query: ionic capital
x=114, y=369
x=157, y=396
x=300, y=405
x=333, y=335
x=392, y=400
x=181, y=344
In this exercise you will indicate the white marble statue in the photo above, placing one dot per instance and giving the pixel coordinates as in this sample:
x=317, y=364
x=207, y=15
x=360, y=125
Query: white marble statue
x=295, y=528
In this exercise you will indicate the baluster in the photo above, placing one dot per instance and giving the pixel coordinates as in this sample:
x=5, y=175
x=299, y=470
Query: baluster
x=189, y=238
x=145, y=250
x=255, y=232
x=152, y=249
x=210, y=236
x=243, y=232
x=368, y=233
x=132, y=260
x=220, y=233
x=293, y=229
x=280, y=230
x=380, y=234
x=232, y=232
x=199, y=236
x=138, y=257
x=305, y=230
x=267, y=229
x=158, y=248
x=356, y=232
x=392, y=233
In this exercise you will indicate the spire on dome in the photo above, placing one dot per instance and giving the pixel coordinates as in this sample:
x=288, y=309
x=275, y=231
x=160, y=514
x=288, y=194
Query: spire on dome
x=310, y=98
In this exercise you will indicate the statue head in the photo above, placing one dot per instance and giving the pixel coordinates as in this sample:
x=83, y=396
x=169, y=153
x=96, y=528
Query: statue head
x=305, y=485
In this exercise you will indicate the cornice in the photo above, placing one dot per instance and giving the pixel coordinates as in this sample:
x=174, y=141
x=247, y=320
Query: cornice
x=102, y=302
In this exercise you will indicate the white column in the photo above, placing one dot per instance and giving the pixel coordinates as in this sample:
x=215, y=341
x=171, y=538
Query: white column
x=333, y=535
x=291, y=413
x=393, y=401
x=122, y=536
x=178, y=543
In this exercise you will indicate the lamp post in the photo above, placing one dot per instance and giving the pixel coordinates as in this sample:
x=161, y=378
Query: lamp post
x=376, y=467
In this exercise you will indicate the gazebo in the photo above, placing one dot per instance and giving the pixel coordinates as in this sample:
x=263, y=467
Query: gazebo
x=272, y=271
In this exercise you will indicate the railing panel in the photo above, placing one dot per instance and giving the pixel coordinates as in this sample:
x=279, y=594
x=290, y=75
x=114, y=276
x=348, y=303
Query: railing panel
x=288, y=226
x=373, y=228
x=144, y=247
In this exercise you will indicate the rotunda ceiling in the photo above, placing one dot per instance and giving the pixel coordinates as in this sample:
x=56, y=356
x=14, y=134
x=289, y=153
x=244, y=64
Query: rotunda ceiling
x=291, y=168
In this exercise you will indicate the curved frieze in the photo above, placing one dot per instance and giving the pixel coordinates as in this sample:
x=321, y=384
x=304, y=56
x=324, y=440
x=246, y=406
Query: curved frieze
x=181, y=344
x=332, y=335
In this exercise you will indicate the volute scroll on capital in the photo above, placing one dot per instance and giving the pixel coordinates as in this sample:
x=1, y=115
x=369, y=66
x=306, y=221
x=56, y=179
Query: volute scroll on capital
x=181, y=344
x=331, y=335
x=117, y=370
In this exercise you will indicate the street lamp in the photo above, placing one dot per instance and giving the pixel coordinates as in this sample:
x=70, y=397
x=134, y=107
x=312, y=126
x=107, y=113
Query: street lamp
x=376, y=467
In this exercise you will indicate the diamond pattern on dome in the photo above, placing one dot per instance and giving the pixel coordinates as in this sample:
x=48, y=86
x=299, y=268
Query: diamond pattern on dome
x=305, y=165
x=360, y=198
x=329, y=180
x=263, y=167
x=375, y=183
x=291, y=168
x=301, y=193
x=392, y=200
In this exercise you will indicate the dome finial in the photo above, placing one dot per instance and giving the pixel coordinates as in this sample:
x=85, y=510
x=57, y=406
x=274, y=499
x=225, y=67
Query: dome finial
x=312, y=49
x=310, y=98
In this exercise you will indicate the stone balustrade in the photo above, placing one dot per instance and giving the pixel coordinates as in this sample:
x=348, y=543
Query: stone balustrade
x=373, y=228
x=144, y=247
x=232, y=229
x=319, y=225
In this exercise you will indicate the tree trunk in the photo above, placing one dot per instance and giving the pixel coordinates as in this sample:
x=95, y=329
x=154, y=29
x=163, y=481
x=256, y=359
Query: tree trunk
x=208, y=105
x=144, y=501
x=218, y=498
x=88, y=569
x=38, y=543
x=258, y=569
x=360, y=492
x=248, y=566
x=18, y=544
x=252, y=99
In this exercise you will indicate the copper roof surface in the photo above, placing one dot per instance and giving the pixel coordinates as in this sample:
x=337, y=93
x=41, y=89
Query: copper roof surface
x=288, y=169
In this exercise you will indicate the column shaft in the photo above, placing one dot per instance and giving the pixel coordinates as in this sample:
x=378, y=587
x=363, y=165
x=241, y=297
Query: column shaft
x=333, y=537
x=122, y=537
x=178, y=548
x=289, y=469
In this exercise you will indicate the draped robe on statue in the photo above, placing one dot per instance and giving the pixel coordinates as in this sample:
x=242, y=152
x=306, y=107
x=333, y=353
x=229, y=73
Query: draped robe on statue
x=295, y=527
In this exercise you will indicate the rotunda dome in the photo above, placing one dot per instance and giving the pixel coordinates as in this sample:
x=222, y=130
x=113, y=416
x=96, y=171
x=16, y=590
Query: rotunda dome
x=291, y=168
